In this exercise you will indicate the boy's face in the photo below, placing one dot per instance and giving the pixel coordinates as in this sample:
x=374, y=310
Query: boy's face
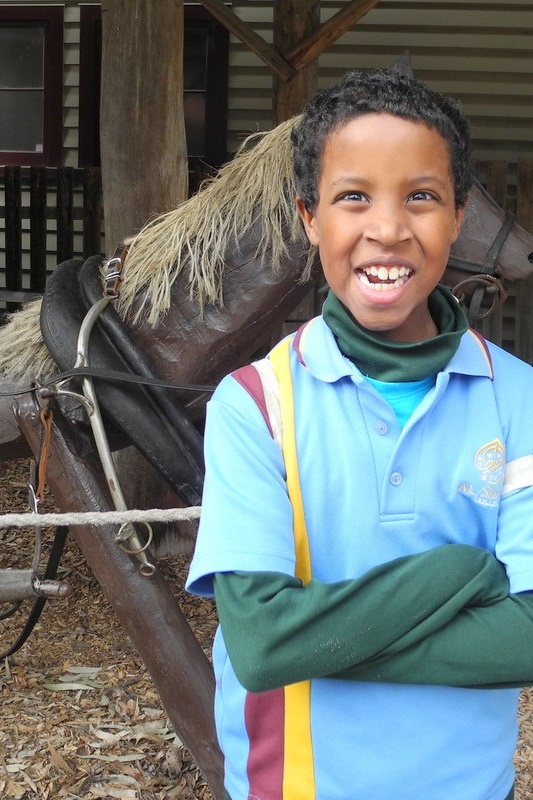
x=385, y=221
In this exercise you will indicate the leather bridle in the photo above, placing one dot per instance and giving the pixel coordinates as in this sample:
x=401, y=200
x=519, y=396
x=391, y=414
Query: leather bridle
x=488, y=282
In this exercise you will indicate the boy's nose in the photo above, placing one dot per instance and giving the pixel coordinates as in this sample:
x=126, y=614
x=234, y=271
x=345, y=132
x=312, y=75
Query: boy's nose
x=387, y=226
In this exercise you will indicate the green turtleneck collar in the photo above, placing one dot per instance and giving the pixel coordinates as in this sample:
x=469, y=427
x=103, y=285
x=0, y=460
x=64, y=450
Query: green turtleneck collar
x=398, y=361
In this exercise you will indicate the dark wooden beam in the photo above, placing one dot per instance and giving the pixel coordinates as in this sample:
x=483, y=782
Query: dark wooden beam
x=249, y=37
x=294, y=20
x=315, y=44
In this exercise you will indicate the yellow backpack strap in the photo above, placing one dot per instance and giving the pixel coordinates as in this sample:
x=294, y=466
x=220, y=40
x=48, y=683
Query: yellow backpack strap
x=280, y=360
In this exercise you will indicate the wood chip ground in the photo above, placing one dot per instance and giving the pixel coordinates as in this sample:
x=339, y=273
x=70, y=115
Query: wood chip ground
x=79, y=716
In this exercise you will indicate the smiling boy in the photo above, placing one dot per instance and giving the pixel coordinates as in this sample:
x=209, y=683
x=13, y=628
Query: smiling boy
x=366, y=522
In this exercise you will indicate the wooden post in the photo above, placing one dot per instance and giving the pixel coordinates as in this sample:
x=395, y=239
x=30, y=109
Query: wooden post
x=524, y=289
x=142, y=131
x=293, y=21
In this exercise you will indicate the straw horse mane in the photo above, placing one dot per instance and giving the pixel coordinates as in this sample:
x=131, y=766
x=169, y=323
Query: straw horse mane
x=190, y=240
x=195, y=237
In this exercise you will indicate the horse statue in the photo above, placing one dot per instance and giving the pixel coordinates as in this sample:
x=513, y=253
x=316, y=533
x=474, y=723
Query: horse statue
x=195, y=294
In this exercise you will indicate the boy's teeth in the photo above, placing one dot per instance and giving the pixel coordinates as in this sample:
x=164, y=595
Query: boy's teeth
x=386, y=274
x=387, y=278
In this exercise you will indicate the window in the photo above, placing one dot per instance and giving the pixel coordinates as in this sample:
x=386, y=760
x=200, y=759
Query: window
x=31, y=79
x=205, y=71
x=205, y=76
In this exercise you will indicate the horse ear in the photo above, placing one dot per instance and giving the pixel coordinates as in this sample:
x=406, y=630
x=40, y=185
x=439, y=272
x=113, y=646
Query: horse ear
x=404, y=65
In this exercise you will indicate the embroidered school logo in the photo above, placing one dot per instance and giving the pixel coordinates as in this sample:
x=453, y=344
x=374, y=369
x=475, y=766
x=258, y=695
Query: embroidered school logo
x=490, y=462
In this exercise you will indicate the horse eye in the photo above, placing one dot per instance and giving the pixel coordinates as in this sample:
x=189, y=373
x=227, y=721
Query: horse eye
x=530, y=258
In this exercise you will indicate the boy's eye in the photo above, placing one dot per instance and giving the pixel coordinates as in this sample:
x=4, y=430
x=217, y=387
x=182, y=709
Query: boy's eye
x=423, y=195
x=357, y=197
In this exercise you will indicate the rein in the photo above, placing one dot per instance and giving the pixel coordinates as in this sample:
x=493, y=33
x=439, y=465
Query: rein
x=49, y=387
x=21, y=584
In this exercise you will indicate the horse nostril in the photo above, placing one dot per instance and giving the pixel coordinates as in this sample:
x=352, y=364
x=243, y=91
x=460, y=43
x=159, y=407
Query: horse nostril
x=530, y=258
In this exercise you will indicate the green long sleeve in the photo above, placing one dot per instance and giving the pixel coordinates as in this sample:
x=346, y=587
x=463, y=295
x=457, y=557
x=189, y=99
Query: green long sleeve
x=278, y=631
x=489, y=647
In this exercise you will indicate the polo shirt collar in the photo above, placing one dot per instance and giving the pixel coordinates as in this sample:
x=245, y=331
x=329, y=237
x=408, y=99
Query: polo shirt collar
x=318, y=352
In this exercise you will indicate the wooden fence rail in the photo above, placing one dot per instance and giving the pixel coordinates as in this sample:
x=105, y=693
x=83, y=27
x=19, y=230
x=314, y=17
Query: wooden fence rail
x=53, y=200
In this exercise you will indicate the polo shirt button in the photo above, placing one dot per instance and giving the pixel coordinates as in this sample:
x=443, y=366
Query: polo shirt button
x=396, y=478
x=381, y=428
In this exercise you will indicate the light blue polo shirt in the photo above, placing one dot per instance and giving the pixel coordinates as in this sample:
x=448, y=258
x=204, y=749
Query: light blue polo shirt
x=375, y=490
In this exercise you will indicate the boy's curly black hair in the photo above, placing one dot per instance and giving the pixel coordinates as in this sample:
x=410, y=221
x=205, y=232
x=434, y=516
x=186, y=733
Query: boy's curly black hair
x=380, y=91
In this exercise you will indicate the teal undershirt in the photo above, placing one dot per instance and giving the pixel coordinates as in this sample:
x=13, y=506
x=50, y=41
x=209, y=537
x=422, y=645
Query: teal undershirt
x=403, y=397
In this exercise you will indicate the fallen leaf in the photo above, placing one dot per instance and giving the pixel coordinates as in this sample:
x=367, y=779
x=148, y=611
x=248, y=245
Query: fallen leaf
x=69, y=687
x=58, y=759
x=129, y=757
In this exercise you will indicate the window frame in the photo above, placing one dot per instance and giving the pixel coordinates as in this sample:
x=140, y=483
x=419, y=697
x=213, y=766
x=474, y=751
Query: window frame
x=89, y=97
x=216, y=84
x=51, y=18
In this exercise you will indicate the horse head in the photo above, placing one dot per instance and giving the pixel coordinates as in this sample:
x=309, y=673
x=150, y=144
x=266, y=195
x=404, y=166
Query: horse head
x=491, y=248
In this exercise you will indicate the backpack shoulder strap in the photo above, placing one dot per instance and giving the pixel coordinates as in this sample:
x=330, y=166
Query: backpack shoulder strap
x=280, y=359
x=269, y=383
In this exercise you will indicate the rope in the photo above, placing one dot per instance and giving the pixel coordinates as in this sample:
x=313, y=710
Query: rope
x=100, y=517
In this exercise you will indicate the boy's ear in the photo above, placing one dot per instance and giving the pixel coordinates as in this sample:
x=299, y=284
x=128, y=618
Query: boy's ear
x=459, y=217
x=309, y=222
